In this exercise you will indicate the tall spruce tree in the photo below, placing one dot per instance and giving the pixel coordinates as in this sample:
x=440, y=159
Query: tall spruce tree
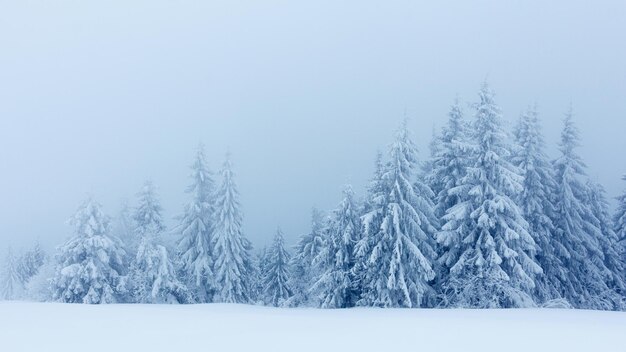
x=537, y=202
x=276, y=286
x=577, y=229
x=196, y=226
x=152, y=277
x=401, y=255
x=494, y=268
x=90, y=264
x=233, y=261
x=336, y=286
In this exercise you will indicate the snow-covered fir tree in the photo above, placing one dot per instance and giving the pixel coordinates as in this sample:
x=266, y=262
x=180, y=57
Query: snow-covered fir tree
x=196, y=226
x=495, y=267
x=435, y=148
x=619, y=222
x=261, y=260
x=401, y=256
x=336, y=286
x=577, y=229
x=537, y=202
x=276, y=283
x=152, y=277
x=371, y=219
x=303, y=270
x=450, y=161
x=232, y=250
x=609, y=244
x=124, y=228
x=12, y=286
x=448, y=169
x=30, y=262
x=90, y=264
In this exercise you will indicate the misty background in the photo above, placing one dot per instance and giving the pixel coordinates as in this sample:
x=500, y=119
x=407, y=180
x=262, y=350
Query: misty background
x=96, y=97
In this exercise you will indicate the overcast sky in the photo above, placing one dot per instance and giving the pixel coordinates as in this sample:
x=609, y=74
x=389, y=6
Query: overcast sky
x=97, y=96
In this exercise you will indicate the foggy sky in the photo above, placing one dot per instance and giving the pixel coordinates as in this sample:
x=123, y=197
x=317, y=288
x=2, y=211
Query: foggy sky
x=96, y=97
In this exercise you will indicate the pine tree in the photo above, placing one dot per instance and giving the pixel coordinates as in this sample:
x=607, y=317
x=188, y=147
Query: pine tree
x=276, y=288
x=303, y=271
x=124, y=228
x=449, y=167
x=195, y=244
x=12, y=285
x=537, y=202
x=450, y=161
x=371, y=219
x=233, y=262
x=619, y=222
x=577, y=229
x=30, y=262
x=152, y=277
x=260, y=269
x=614, y=277
x=494, y=268
x=90, y=264
x=336, y=284
x=401, y=255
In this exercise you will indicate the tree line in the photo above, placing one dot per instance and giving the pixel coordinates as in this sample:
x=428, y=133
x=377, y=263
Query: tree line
x=487, y=220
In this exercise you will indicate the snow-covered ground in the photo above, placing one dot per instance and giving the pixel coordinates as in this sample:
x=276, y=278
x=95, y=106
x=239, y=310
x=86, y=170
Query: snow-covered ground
x=219, y=327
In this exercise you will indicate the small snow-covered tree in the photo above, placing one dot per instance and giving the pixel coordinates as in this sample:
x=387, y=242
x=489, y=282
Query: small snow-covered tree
x=12, y=284
x=276, y=287
x=233, y=261
x=90, y=264
x=123, y=228
x=336, y=285
x=537, y=202
x=196, y=226
x=401, y=255
x=30, y=262
x=495, y=267
x=152, y=278
x=577, y=229
x=619, y=222
x=303, y=270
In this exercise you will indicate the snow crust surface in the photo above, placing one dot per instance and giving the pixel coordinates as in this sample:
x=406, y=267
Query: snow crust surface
x=230, y=327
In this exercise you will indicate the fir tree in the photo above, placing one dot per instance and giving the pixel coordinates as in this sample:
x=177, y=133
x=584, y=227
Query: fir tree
x=90, y=264
x=577, y=229
x=124, y=228
x=450, y=161
x=401, y=255
x=336, y=284
x=195, y=244
x=537, y=202
x=609, y=244
x=276, y=288
x=12, y=284
x=619, y=222
x=233, y=262
x=371, y=219
x=494, y=268
x=306, y=250
x=152, y=277
x=30, y=262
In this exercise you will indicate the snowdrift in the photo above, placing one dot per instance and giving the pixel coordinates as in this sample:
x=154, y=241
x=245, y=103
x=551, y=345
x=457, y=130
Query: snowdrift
x=224, y=327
